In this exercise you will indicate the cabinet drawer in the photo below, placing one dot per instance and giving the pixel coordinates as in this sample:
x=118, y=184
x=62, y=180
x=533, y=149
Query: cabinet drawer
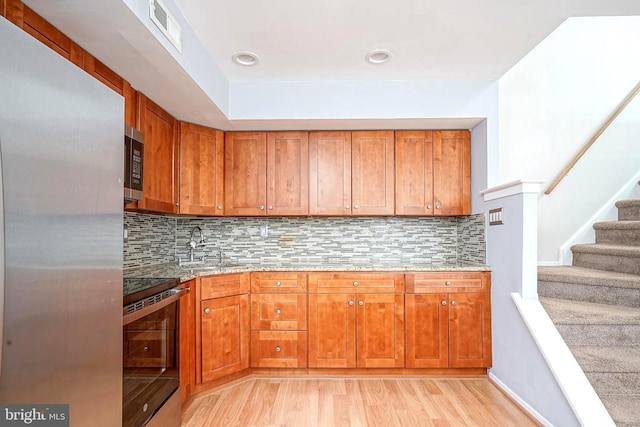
x=278, y=282
x=278, y=349
x=356, y=282
x=223, y=285
x=421, y=283
x=279, y=311
x=153, y=349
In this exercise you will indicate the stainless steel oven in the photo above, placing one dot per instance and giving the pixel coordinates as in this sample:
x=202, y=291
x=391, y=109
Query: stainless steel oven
x=150, y=356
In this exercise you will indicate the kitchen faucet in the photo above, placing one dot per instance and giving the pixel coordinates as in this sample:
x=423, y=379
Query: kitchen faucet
x=193, y=243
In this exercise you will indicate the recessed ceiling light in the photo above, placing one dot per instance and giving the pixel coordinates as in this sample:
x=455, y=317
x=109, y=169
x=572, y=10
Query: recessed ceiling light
x=379, y=56
x=248, y=59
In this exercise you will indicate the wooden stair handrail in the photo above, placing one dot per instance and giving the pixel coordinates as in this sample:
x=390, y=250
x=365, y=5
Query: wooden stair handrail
x=595, y=137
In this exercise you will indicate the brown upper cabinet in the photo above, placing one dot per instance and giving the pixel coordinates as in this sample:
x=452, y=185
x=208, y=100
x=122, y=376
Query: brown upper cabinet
x=160, y=170
x=433, y=173
x=23, y=17
x=104, y=74
x=266, y=173
x=201, y=170
x=351, y=173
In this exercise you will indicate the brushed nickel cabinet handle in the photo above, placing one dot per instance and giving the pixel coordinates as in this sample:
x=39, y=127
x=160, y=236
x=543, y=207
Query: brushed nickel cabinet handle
x=261, y=207
x=278, y=311
x=355, y=284
x=207, y=310
x=219, y=207
x=350, y=302
x=454, y=302
x=360, y=302
x=278, y=349
x=448, y=283
x=429, y=207
x=444, y=302
x=278, y=283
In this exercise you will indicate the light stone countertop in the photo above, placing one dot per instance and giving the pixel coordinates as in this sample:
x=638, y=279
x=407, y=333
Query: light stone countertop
x=171, y=270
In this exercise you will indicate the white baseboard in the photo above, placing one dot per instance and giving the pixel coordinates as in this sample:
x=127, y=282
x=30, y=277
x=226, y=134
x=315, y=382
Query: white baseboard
x=524, y=405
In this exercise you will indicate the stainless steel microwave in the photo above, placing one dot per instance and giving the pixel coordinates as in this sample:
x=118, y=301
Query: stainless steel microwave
x=133, y=164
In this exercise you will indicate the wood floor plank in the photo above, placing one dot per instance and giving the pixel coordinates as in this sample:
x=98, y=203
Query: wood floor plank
x=355, y=402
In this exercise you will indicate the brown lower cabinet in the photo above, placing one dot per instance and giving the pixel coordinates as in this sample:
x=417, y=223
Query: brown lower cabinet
x=356, y=331
x=448, y=330
x=222, y=326
x=340, y=320
x=278, y=320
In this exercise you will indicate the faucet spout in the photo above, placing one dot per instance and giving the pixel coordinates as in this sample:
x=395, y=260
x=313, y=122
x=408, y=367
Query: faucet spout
x=194, y=243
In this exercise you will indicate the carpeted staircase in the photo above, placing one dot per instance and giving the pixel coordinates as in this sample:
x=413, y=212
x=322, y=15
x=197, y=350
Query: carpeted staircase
x=595, y=305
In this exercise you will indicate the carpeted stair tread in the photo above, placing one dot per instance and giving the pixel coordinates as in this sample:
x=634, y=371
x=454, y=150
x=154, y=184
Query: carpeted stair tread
x=614, y=383
x=587, y=276
x=621, y=258
x=625, y=410
x=608, y=358
x=563, y=311
x=617, y=225
x=625, y=233
x=607, y=249
x=628, y=210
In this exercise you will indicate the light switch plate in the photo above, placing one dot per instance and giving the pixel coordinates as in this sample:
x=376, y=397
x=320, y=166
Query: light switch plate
x=495, y=216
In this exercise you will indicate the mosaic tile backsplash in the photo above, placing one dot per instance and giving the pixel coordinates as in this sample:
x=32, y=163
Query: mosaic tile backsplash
x=379, y=241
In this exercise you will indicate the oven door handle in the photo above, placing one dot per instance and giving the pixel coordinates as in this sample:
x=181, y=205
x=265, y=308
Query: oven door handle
x=176, y=293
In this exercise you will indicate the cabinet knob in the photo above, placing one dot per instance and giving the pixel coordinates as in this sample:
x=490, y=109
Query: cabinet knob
x=356, y=206
x=347, y=207
x=177, y=203
x=444, y=302
x=437, y=206
x=278, y=283
x=278, y=349
x=350, y=302
x=360, y=302
x=355, y=284
x=207, y=310
x=448, y=283
x=146, y=348
x=261, y=207
x=270, y=207
x=278, y=311
x=429, y=207
x=219, y=207
x=454, y=302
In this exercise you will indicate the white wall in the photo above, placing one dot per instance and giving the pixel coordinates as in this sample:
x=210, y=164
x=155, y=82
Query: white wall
x=552, y=102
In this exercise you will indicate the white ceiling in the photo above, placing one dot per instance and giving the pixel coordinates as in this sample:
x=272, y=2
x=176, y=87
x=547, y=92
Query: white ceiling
x=316, y=42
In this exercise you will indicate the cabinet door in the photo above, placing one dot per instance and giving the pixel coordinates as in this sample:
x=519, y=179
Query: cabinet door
x=160, y=136
x=372, y=173
x=451, y=173
x=287, y=173
x=224, y=336
x=470, y=330
x=427, y=326
x=104, y=74
x=201, y=170
x=332, y=331
x=245, y=186
x=414, y=172
x=46, y=33
x=380, y=331
x=330, y=173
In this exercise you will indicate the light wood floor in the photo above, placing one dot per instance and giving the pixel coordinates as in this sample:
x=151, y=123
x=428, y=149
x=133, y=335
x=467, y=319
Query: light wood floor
x=371, y=402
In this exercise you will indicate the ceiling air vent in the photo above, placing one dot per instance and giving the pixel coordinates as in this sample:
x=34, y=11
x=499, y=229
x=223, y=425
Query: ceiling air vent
x=167, y=23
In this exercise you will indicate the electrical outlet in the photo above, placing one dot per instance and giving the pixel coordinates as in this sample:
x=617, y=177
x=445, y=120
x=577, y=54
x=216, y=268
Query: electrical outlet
x=495, y=216
x=264, y=230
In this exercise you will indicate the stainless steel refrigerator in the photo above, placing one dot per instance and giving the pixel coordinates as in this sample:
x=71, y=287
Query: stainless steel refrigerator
x=61, y=153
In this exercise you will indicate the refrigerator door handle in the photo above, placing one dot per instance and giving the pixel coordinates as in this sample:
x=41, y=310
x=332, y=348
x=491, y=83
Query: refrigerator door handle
x=2, y=261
